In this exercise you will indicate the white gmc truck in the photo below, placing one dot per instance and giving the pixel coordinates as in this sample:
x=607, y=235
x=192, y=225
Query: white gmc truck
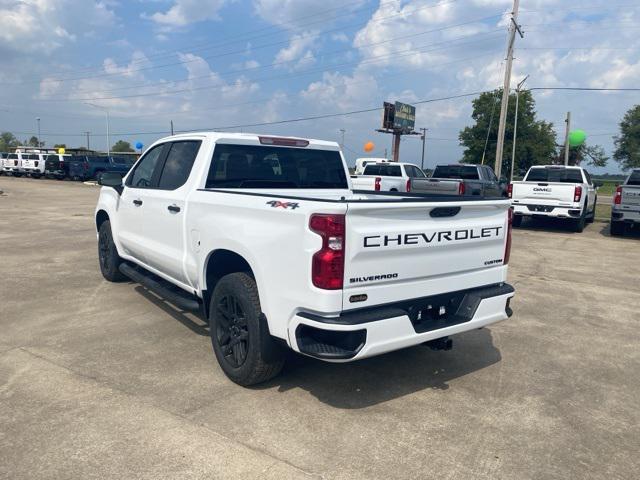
x=265, y=237
x=555, y=191
x=625, y=210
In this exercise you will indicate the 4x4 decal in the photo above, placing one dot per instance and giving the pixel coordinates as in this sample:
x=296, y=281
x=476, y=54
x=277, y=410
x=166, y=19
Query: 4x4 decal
x=285, y=205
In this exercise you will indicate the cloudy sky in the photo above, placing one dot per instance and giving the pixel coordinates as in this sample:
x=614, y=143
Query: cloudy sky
x=213, y=64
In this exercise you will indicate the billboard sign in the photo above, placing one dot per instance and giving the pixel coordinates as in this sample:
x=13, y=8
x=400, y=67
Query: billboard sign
x=404, y=117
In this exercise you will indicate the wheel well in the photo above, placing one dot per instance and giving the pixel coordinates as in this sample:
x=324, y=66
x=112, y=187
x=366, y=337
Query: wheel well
x=101, y=217
x=219, y=264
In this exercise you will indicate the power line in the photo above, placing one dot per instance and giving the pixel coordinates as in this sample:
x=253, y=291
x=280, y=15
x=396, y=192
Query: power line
x=395, y=54
x=323, y=54
x=183, y=62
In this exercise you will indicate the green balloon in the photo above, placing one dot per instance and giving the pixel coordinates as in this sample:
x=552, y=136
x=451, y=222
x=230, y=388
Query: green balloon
x=577, y=138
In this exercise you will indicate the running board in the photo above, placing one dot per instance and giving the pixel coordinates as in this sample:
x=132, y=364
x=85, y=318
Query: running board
x=178, y=298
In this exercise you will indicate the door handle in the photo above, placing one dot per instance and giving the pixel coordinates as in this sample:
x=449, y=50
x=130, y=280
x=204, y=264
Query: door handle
x=173, y=208
x=137, y=203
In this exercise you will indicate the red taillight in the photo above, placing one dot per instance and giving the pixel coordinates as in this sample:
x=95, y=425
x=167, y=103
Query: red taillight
x=617, y=198
x=327, y=265
x=409, y=185
x=461, y=188
x=577, y=194
x=36, y=163
x=507, y=247
x=510, y=190
x=377, y=185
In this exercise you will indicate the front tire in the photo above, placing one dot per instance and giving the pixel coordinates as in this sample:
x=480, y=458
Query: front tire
x=239, y=333
x=108, y=254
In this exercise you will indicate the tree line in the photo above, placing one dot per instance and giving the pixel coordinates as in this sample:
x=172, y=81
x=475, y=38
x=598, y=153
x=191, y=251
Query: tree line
x=536, y=139
x=8, y=141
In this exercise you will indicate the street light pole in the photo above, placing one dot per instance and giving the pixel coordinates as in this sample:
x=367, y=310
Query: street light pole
x=424, y=138
x=38, y=120
x=108, y=127
x=515, y=125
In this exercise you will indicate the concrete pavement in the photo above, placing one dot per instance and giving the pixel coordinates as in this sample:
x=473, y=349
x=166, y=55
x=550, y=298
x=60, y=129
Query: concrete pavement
x=101, y=380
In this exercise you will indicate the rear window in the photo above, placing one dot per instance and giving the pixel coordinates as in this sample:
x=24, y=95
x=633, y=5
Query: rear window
x=249, y=166
x=634, y=179
x=384, y=170
x=562, y=175
x=464, y=172
x=13, y=155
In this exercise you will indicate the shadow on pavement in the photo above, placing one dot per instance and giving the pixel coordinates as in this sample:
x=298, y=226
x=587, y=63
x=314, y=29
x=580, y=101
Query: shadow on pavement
x=630, y=232
x=379, y=379
x=549, y=224
x=185, y=318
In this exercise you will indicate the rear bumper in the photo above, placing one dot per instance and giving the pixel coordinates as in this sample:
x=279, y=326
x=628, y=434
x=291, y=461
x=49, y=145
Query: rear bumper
x=376, y=330
x=626, y=216
x=537, y=210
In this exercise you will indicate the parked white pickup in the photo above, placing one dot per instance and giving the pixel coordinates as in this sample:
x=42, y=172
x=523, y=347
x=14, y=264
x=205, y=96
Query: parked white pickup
x=387, y=177
x=625, y=211
x=267, y=237
x=555, y=191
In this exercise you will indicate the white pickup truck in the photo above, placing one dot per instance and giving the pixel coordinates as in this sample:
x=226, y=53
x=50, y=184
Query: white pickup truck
x=626, y=204
x=387, y=177
x=266, y=238
x=555, y=191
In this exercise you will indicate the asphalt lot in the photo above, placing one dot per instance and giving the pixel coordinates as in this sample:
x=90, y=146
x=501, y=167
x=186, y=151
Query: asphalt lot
x=101, y=380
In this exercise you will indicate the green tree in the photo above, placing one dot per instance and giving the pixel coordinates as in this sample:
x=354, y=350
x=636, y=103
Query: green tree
x=33, y=142
x=8, y=140
x=585, y=155
x=535, y=143
x=627, y=152
x=60, y=145
x=122, y=146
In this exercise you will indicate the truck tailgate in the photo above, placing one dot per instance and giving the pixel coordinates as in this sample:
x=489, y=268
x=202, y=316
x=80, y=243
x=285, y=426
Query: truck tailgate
x=412, y=250
x=436, y=186
x=631, y=195
x=544, y=193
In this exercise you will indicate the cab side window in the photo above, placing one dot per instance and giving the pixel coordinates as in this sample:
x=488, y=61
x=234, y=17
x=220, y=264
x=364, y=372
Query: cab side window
x=142, y=176
x=587, y=177
x=178, y=164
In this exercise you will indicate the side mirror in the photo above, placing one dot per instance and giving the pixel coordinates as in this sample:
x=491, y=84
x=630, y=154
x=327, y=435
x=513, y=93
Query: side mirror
x=113, y=180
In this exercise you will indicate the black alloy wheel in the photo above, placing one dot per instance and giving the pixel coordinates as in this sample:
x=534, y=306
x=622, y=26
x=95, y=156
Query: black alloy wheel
x=232, y=332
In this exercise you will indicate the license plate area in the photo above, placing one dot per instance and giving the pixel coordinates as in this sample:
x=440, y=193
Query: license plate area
x=441, y=311
x=540, y=208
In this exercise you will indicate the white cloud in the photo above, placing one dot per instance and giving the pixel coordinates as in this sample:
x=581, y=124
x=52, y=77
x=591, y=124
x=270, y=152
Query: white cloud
x=46, y=25
x=185, y=12
x=299, y=49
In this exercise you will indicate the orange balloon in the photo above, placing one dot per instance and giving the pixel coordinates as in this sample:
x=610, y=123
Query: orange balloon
x=369, y=146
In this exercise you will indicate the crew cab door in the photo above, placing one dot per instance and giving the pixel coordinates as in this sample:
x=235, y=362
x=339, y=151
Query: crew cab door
x=132, y=208
x=161, y=231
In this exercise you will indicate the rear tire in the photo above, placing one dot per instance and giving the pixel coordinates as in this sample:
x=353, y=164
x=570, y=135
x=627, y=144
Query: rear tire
x=591, y=218
x=239, y=333
x=617, y=229
x=579, y=224
x=517, y=221
x=108, y=254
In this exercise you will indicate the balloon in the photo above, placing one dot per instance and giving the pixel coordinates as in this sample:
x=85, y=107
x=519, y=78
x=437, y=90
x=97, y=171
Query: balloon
x=139, y=145
x=61, y=151
x=369, y=146
x=577, y=138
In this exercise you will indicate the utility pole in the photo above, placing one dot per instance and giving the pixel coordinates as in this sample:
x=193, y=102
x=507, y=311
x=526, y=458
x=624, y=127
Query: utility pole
x=108, y=128
x=171, y=127
x=38, y=121
x=515, y=125
x=342, y=131
x=87, y=134
x=513, y=29
x=424, y=138
x=566, y=139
